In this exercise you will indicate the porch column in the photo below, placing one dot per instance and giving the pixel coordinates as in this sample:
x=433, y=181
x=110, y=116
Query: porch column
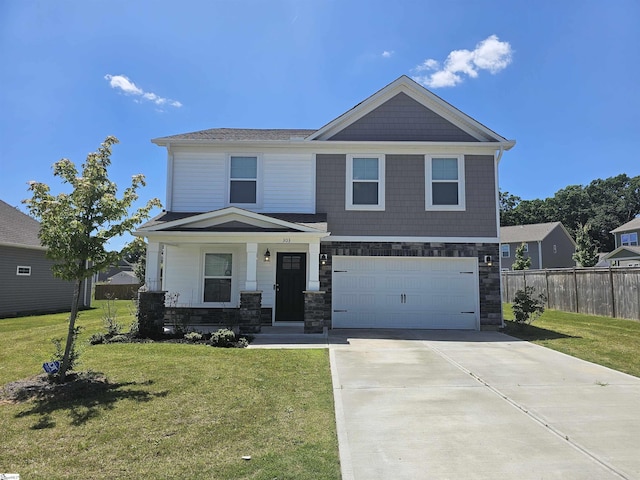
x=314, y=267
x=251, y=283
x=152, y=272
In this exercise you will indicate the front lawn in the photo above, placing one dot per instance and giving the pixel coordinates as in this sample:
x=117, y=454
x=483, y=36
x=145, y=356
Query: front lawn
x=611, y=342
x=168, y=410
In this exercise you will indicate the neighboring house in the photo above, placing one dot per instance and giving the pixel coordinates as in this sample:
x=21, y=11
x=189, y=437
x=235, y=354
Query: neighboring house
x=627, y=252
x=27, y=284
x=123, y=278
x=549, y=245
x=122, y=266
x=386, y=217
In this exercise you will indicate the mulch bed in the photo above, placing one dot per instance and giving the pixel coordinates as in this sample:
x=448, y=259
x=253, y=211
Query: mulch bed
x=41, y=387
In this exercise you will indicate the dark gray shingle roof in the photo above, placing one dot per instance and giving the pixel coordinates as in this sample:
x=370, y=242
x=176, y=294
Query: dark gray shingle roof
x=239, y=134
x=526, y=233
x=18, y=228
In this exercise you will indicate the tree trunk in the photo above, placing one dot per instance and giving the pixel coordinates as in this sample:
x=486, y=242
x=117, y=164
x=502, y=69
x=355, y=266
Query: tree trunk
x=75, y=306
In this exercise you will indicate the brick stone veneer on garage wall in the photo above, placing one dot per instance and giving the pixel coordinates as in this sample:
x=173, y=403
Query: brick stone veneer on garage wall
x=489, y=276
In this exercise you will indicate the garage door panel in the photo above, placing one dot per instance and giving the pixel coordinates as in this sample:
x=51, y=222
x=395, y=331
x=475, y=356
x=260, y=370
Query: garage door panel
x=402, y=292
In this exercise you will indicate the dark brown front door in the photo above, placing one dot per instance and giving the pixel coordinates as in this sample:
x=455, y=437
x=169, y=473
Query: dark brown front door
x=291, y=279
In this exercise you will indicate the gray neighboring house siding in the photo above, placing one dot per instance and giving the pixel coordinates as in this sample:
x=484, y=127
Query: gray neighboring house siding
x=39, y=292
x=540, y=238
x=405, y=213
x=403, y=119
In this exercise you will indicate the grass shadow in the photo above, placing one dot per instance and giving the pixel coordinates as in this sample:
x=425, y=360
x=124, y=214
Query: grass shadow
x=84, y=396
x=532, y=333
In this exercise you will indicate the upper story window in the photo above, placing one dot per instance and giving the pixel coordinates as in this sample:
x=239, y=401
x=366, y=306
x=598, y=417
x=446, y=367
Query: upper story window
x=444, y=182
x=365, y=182
x=526, y=247
x=629, y=239
x=505, y=250
x=243, y=180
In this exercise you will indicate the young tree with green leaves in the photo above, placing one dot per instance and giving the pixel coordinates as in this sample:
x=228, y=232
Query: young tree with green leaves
x=521, y=262
x=75, y=227
x=586, y=251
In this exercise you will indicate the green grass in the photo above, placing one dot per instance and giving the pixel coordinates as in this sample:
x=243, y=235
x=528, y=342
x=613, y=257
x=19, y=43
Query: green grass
x=169, y=410
x=612, y=342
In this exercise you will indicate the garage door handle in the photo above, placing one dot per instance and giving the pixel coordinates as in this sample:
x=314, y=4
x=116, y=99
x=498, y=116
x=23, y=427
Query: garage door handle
x=468, y=272
x=467, y=312
x=339, y=311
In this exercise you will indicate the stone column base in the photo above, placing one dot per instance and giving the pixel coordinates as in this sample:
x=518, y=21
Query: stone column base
x=250, y=312
x=150, y=313
x=314, y=311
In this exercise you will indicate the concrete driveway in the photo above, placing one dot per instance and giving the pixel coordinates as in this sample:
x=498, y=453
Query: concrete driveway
x=469, y=405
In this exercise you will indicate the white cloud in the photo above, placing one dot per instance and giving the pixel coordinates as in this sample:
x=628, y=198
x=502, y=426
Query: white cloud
x=490, y=54
x=128, y=87
x=387, y=53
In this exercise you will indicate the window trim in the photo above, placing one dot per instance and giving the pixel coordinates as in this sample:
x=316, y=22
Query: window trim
x=461, y=206
x=630, y=242
x=502, y=250
x=349, y=205
x=203, y=277
x=27, y=273
x=258, y=180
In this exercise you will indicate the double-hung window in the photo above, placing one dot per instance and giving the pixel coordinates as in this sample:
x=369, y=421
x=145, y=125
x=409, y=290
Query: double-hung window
x=217, y=277
x=629, y=239
x=505, y=250
x=365, y=182
x=243, y=180
x=444, y=179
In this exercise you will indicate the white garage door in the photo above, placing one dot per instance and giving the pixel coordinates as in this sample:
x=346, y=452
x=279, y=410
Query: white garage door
x=405, y=292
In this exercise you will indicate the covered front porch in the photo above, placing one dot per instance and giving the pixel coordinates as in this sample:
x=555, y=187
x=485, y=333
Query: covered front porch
x=237, y=268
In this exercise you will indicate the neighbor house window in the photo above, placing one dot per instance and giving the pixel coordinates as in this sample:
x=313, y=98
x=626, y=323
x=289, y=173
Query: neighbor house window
x=526, y=247
x=217, y=277
x=23, y=271
x=365, y=182
x=243, y=180
x=629, y=239
x=444, y=182
x=506, y=250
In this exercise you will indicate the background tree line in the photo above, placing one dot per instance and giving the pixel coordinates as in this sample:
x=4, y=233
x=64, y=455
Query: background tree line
x=595, y=209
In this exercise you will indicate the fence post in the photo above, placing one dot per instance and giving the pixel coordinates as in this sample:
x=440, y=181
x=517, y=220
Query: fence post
x=613, y=293
x=546, y=283
x=575, y=285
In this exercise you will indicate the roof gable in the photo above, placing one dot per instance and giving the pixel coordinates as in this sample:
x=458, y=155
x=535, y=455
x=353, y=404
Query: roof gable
x=536, y=232
x=401, y=91
x=17, y=228
x=629, y=226
x=232, y=219
x=624, y=253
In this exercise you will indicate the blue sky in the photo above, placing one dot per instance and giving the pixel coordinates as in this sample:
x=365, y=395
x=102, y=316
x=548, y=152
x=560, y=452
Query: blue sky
x=559, y=77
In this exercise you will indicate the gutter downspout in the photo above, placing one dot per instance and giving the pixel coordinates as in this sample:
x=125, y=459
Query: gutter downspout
x=169, y=191
x=540, y=254
x=497, y=157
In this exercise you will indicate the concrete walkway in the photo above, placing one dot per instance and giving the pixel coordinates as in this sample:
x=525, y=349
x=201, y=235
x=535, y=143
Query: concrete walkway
x=478, y=405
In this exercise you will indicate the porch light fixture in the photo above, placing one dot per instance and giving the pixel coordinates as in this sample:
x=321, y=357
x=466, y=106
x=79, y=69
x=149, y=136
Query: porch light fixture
x=323, y=259
x=267, y=256
x=488, y=260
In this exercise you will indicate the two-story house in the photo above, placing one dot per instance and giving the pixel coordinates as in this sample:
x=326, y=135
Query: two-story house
x=549, y=245
x=386, y=217
x=627, y=251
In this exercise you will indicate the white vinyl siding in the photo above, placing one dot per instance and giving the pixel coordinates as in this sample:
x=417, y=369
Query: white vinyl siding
x=201, y=182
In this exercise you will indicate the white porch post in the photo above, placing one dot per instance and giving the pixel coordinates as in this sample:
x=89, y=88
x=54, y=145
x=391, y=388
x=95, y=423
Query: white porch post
x=314, y=266
x=251, y=283
x=152, y=272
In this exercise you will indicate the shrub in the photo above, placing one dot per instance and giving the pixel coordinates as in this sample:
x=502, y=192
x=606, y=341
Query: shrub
x=242, y=342
x=122, y=338
x=193, y=336
x=526, y=307
x=97, y=338
x=223, y=338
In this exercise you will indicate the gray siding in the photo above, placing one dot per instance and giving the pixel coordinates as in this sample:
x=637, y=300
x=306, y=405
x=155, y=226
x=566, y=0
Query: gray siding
x=564, y=250
x=405, y=213
x=39, y=292
x=401, y=118
x=533, y=254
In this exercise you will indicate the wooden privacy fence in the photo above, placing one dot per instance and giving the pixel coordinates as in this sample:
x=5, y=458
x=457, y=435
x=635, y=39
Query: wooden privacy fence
x=121, y=292
x=610, y=292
